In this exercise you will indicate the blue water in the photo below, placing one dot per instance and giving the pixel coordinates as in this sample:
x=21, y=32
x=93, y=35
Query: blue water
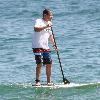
x=76, y=25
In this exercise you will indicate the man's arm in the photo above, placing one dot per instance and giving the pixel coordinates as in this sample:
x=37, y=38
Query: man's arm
x=53, y=42
x=51, y=39
x=39, y=29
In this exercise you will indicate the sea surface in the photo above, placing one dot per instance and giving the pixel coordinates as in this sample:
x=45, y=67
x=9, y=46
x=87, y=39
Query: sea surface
x=76, y=25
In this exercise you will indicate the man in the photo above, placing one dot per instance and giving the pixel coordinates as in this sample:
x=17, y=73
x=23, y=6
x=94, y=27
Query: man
x=43, y=33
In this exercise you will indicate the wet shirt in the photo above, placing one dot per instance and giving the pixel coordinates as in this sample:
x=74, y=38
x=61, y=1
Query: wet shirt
x=40, y=39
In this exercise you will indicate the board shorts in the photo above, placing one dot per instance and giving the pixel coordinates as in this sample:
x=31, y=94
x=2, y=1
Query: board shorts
x=42, y=56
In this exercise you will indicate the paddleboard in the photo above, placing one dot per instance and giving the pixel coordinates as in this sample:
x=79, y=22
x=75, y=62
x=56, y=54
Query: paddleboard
x=57, y=85
x=62, y=85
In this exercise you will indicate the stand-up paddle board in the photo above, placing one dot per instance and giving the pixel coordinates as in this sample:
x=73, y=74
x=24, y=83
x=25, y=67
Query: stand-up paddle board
x=62, y=85
x=57, y=85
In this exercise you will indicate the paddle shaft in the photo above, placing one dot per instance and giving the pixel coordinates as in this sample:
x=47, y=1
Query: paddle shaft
x=60, y=64
x=58, y=54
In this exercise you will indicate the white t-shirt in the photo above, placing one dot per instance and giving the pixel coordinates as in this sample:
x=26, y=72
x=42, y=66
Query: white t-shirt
x=40, y=39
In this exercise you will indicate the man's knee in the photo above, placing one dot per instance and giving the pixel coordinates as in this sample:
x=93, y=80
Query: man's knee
x=39, y=65
x=47, y=61
x=38, y=59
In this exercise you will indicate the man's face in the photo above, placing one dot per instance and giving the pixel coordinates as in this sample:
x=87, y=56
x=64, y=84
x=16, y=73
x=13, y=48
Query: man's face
x=49, y=16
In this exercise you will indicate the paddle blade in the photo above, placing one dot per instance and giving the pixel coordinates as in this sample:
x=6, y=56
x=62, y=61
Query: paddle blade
x=66, y=81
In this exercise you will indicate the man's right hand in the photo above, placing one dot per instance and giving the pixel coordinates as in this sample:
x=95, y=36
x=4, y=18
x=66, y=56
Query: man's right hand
x=49, y=24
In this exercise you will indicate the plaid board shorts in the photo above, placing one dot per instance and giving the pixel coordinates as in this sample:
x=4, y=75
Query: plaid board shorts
x=42, y=56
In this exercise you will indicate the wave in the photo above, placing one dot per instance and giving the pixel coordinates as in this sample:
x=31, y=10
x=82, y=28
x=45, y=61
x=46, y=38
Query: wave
x=25, y=91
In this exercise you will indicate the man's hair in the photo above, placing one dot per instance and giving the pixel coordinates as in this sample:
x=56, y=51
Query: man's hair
x=46, y=11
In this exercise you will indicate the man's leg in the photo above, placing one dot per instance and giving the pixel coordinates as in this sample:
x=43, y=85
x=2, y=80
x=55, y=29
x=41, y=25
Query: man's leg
x=38, y=72
x=38, y=68
x=48, y=62
x=48, y=72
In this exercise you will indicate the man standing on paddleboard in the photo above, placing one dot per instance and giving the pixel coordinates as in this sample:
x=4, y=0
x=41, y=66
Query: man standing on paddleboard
x=42, y=33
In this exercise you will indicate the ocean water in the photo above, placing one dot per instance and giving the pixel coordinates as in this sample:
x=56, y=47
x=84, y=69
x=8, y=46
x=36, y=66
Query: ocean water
x=76, y=25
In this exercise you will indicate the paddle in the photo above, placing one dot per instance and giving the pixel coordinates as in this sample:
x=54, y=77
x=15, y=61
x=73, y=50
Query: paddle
x=64, y=79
